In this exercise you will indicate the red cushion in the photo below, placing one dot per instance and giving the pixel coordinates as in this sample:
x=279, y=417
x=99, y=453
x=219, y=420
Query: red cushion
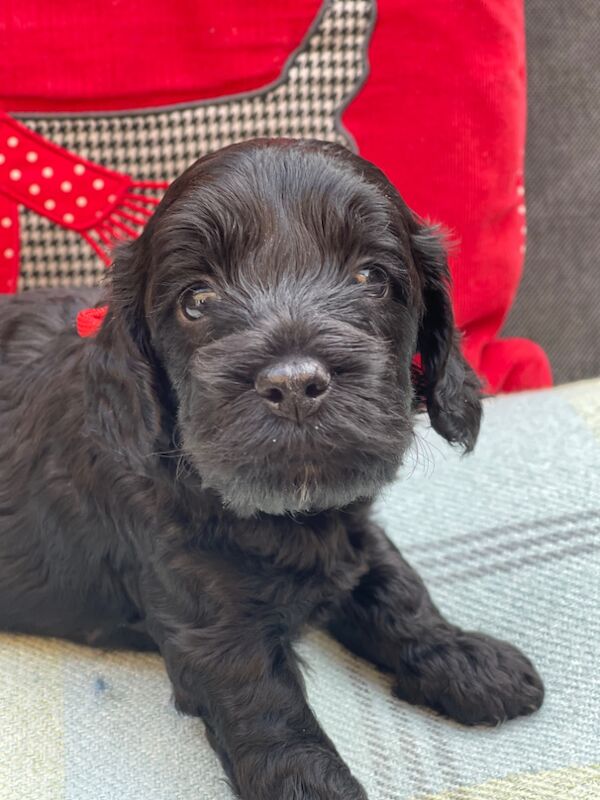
x=442, y=112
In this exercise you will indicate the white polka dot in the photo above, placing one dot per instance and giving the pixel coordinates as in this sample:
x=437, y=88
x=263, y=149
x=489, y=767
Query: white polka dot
x=50, y=205
x=522, y=249
x=47, y=172
x=6, y=222
x=15, y=174
x=81, y=202
x=9, y=252
x=31, y=157
x=522, y=209
x=68, y=218
x=112, y=198
x=98, y=184
x=2, y=158
x=66, y=186
x=521, y=191
x=34, y=189
x=12, y=141
x=524, y=230
x=78, y=169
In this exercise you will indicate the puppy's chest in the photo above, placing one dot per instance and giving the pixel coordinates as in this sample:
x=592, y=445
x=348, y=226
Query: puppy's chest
x=300, y=571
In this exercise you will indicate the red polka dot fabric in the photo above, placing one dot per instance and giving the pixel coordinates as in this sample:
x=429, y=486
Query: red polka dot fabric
x=54, y=182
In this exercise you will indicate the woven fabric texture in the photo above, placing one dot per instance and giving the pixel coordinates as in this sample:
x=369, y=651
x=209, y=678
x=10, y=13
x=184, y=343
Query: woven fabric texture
x=508, y=541
x=559, y=298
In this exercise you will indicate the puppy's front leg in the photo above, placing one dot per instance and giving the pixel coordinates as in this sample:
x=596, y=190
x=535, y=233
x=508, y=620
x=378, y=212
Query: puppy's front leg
x=391, y=620
x=243, y=680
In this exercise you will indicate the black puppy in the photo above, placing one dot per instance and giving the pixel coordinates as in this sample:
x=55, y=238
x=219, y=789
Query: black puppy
x=198, y=477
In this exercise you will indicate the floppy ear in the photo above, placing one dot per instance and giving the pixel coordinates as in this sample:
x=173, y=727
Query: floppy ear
x=127, y=293
x=122, y=391
x=446, y=383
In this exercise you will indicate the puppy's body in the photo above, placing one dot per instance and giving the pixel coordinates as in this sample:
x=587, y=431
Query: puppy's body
x=55, y=544
x=69, y=500
x=198, y=477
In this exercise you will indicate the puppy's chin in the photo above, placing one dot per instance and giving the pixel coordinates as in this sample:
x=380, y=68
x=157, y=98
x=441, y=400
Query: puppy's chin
x=305, y=488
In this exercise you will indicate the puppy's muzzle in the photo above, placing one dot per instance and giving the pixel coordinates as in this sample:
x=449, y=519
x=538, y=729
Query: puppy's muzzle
x=293, y=388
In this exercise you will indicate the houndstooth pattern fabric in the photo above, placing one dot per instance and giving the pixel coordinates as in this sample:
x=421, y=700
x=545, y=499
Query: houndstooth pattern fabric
x=317, y=83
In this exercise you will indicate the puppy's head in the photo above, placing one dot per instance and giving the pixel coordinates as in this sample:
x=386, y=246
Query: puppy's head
x=284, y=288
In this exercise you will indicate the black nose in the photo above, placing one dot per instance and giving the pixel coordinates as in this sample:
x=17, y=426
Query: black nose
x=293, y=388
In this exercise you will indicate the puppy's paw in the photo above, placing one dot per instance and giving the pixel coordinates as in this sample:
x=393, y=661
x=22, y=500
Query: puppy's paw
x=471, y=678
x=309, y=778
x=297, y=789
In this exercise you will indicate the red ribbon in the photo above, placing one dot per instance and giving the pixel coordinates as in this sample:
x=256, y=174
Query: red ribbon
x=89, y=321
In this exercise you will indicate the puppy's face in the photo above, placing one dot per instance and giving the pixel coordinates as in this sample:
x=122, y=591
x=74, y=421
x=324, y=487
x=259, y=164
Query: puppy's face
x=285, y=288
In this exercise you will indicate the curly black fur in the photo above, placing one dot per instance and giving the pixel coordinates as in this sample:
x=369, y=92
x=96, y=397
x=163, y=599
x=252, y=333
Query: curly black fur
x=149, y=497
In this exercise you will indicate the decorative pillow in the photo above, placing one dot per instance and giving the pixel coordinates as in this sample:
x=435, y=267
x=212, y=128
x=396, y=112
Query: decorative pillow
x=442, y=112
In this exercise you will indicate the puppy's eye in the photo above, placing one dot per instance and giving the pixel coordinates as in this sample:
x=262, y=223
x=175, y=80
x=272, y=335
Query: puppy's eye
x=193, y=300
x=374, y=279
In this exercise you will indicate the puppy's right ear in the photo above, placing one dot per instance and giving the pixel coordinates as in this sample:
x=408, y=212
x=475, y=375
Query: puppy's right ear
x=128, y=278
x=122, y=402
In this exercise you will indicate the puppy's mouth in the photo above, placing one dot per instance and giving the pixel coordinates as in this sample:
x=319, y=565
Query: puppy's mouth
x=279, y=467
x=295, y=485
x=304, y=479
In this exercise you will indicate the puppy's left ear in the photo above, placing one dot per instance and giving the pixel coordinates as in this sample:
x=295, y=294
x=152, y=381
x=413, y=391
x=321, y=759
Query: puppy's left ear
x=446, y=384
